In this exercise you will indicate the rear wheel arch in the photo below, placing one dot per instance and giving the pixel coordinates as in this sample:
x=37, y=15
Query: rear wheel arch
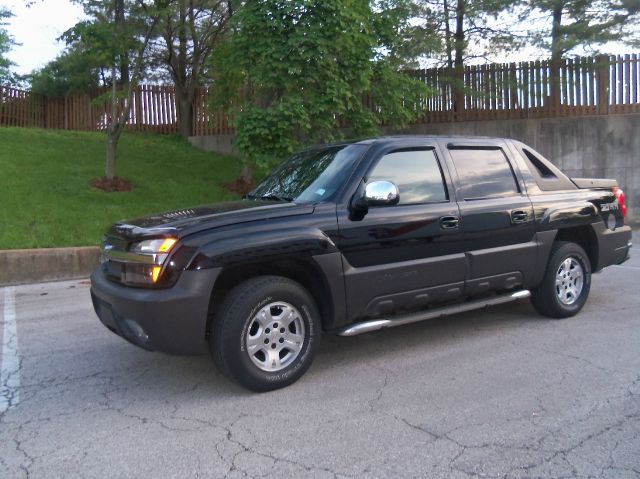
x=585, y=237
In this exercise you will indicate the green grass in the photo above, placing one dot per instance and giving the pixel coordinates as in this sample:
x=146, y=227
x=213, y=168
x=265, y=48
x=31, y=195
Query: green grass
x=45, y=199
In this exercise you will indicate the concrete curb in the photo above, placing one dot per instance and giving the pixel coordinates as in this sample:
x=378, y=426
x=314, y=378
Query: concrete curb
x=25, y=266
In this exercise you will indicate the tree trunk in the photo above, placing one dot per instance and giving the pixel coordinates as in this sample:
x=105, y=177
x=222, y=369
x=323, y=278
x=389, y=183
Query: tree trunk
x=124, y=56
x=185, y=114
x=461, y=11
x=112, y=142
x=556, y=54
x=247, y=173
x=110, y=165
x=458, y=80
x=447, y=34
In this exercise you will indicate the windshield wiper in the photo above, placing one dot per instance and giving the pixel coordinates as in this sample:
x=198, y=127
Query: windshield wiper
x=272, y=196
x=269, y=196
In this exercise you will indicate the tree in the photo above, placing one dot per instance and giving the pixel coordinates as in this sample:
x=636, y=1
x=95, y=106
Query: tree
x=465, y=30
x=577, y=23
x=6, y=43
x=118, y=35
x=307, y=75
x=75, y=70
x=189, y=31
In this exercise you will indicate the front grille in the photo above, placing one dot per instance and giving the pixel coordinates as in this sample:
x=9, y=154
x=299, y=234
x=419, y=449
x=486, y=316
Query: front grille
x=119, y=244
x=113, y=270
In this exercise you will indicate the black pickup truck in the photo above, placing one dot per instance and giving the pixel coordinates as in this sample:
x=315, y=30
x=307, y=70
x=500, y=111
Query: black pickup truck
x=356, y=237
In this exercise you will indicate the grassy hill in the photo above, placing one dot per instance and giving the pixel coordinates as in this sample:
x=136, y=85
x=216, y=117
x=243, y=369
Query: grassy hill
x=45, y=199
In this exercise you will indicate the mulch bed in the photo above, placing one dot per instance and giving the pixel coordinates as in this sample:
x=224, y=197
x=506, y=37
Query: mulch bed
x=116, y=184
x=239, y=186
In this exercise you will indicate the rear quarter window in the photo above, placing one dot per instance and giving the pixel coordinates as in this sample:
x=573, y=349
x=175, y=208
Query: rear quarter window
x=547, y=176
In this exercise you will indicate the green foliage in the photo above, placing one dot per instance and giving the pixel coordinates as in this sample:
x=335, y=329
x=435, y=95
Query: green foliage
x=270, y=133
x=6, y=43
x=307, y=66
x=112, y=36
x=397, y=97
x=582, y=23
x=454, y=32
x=75, y=70
x=47, y=202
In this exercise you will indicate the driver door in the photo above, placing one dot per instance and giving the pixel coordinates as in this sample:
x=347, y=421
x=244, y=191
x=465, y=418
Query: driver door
x=404, y=257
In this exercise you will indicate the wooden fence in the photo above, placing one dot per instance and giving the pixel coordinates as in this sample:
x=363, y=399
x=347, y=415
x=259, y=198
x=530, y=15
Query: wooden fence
x=153, y=109
x=584, y=86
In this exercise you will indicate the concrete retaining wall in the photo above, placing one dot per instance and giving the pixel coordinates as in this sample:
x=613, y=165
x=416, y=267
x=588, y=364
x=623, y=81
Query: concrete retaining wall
x=218, y=143
x=38, y=265
x=596, y=146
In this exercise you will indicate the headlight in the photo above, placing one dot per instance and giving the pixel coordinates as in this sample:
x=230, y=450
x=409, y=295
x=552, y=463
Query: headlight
x=147, y=260
x=141, y=264
x=154, y=246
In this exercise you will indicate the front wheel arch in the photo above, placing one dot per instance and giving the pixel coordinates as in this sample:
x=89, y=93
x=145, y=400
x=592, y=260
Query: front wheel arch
x=304, y=271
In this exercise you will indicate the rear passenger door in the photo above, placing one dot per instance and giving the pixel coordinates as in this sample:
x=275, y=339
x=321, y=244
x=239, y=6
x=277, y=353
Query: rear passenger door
x=496, y=214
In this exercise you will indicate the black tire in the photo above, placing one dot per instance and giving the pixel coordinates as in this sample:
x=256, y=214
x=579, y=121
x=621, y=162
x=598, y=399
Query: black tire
x=236, y=316
x=545, y=298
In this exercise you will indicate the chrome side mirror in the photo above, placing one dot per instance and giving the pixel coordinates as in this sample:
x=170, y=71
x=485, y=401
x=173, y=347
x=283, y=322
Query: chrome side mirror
x=381, y=193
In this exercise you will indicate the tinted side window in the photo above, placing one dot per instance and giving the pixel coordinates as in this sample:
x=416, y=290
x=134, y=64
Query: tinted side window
x=416, y=173
x=483, y=173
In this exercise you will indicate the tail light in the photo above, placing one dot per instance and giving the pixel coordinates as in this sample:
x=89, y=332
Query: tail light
x=620, y=197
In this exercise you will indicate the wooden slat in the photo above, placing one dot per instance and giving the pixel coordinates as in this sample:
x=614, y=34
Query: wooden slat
x=634, y=78
x=627, y=79
x=620, y=66
x=613, y=91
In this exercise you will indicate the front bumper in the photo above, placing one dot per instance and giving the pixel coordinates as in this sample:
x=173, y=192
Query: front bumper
x=170, y=320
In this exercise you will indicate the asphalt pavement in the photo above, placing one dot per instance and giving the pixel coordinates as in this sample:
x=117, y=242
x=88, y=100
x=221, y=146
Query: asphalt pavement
x=497, y=393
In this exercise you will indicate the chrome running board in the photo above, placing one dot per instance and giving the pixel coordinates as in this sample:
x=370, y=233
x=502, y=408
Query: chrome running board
x=375, y=324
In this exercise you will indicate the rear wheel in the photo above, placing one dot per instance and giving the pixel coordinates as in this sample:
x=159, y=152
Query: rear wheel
x=265, y=333
x=566, y=284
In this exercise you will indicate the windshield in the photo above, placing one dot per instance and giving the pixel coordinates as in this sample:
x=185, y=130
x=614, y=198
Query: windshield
x=311, y=175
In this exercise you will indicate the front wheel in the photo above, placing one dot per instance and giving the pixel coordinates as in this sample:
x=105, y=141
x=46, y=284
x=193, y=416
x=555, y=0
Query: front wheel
x=567, y=280
x=265, y=333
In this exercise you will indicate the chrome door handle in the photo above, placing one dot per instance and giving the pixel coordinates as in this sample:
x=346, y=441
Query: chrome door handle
x=449, y=222
x=519, y=216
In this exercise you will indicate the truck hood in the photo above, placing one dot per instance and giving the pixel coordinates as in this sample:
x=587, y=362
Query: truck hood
x=187, y=221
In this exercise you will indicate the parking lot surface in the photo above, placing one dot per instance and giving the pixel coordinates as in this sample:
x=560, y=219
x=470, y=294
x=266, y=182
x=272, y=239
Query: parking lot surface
x=497, y=393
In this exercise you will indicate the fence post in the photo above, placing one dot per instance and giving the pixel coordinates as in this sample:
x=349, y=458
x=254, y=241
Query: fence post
x=602, y=67
x=137, y=96
x=458, y=93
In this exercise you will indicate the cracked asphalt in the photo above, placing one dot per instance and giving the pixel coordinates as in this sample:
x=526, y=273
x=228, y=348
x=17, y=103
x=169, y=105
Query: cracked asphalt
x=499, y=393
